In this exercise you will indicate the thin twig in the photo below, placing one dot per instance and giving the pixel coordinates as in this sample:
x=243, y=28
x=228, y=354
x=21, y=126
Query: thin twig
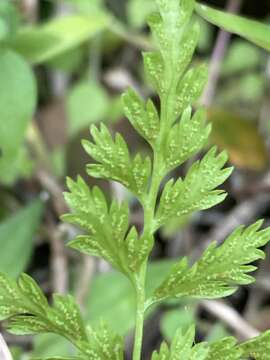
x=217, y=57
x=49, y=182
x=4, y=351
x=85, y=278
x=231, y=318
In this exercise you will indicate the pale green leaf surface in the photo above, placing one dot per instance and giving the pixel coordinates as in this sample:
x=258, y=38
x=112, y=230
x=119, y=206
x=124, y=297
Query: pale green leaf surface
x=258, y=347
x=220, y=269
x=182, y=347
x=107, y=228
x=252, y=30
x=114, y=161
x=40, y=44
x=186, y=138
x=184, y=196
x=120, y=295
x=16, y=238
x=17, y=103
x=87, y=103
x=224, y=349
x=144, y=118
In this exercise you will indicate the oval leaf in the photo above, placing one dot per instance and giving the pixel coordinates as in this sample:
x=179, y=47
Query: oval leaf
x=252, y=30
x=16, y=238
x=39, y=44
x=17, y=104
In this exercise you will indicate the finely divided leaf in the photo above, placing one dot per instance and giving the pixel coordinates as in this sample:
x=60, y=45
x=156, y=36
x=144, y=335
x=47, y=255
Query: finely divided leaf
x=186, y=138
x=107, y=228
x=224, y=349
x=196, y=191
x=115, y=163
x=24, y=305
x=168, y=25
x=220, y=269
x=144, y=118
x=257, y=348
x=190, y=88
x=104, y=344
x=182, y=348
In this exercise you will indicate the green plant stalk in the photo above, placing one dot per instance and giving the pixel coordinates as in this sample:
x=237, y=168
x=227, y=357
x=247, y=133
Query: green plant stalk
x=149, y=214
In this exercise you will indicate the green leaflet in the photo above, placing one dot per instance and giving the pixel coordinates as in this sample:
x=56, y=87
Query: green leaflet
x=224, y=349
x=186, y=138
x=167, y=27
x=144, y=118
x=258, y=347
x=115, y=163
x=25, y=307
x=104, y=344
x=182, y=348
x=220, y=269
x=185, y=196
x=108, y=234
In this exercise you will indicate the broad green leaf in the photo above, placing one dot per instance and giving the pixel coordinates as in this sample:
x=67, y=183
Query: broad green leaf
x=17, y=104
x=114, y=161
x=107, y=228
x=184, y=196
x=87, y=103
x=40, y=44
x=242, y=56
x=46, y=345
x=9, y=20
x=138, y=11
x=239, y=136
x=173, y=319
x=252, y=30
x=258, y=348
x=220, y=269
x=120, y=295
x=182, y=347
x=16, y=238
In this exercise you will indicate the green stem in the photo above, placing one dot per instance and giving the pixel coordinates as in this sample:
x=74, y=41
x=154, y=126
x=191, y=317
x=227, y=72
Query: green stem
x=149, y=211
x=140, y=313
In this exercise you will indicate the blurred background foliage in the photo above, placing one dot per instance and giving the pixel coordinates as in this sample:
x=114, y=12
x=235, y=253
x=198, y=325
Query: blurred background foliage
x=63, y=66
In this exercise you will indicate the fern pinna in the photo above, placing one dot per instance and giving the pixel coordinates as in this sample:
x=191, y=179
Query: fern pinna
x=175, y=134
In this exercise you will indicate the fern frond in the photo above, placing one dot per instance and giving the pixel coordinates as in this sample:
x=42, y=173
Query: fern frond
x=115, y=163
x=182, y=347
x=197, y=191
x=220, y=269
x=107, y=228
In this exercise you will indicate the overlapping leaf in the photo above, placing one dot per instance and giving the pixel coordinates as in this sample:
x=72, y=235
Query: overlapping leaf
x=182, y=348
x=196, y=191
x=220, y=269
x=107, y=228
x=186, y=138
x=115, y=163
